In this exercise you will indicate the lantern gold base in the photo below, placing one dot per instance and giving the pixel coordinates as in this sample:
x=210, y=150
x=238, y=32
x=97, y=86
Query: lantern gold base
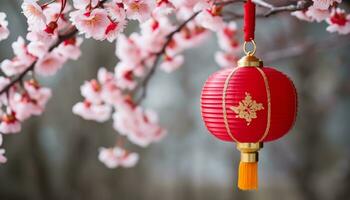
x=249, y=151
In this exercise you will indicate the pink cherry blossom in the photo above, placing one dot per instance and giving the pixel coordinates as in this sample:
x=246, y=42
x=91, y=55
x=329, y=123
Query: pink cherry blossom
x=19, y=47
x=4, y=32
x=24, y=106
x=191, y=36
x=210, y=18
x=70, y=48
x=49, y=64
x=9, y=124
x=228, y=42
x=170, y=64
x=31, y=102
x=317, y=14
x=116, y=10
x=41, y=36
x=38, y=49
x=158, y=25
x=104, y=76
x=83, y=4
x=52, y=13
x=95, y=112
x=127, y=50
x=339, y=22
x=185, y=7
x=115, y=157
x=40, y=43
x=226, y=59
x=324, y=4
x=114, y=29
x=92, y=23
x=186, y=3
x=153, y=34
x=20, y=62
x=39, y=94
x=13, y=67
x=111, y=93
x=139, y=9
x=138, y=125
x=227, y=38
x=302, y=15
x=125, y=76
x=91, y=90
x=164, y=7
x=34, y=14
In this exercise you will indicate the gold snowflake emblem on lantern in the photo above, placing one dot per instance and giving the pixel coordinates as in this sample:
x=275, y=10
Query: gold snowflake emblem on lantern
x=247, y=108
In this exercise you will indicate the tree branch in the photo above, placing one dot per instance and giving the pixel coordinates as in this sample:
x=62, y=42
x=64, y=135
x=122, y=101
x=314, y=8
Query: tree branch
x=299, y=5
x=71, y=32
x=144, y=83
x=271, y=9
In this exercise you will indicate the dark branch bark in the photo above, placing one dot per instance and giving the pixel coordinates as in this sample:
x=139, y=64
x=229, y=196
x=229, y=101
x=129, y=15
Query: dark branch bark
x=299, y=5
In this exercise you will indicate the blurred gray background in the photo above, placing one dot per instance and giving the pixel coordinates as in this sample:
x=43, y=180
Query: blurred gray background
x=55, y=156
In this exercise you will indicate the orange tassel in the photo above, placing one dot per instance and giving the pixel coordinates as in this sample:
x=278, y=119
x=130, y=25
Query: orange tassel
x=248, y=167
x=248, y=176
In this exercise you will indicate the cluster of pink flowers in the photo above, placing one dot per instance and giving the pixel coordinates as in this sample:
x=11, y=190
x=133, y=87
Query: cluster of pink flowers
x=21, y=103
x=229, y=43
x=327, y=10
x=115, y=157
x=111, y=91
x=113, y=94
x=27, y=97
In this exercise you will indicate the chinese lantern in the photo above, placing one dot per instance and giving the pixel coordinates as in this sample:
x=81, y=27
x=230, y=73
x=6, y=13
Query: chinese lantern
x=250, y=104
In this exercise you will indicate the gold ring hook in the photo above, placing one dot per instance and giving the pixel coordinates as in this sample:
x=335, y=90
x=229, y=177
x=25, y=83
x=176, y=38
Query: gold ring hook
x=249, y=52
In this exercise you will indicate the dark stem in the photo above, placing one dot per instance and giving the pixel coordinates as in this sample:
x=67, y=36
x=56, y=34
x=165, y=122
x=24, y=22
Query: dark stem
x=299, y=5
x=143, y=84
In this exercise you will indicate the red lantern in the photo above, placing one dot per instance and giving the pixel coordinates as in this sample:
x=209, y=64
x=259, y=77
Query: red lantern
x=249, y=105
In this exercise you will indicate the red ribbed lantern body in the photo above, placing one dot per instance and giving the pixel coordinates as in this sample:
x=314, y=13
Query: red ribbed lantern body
x=249, y=104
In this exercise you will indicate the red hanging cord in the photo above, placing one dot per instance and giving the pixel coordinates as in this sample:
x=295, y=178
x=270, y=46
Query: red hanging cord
x=249, y=20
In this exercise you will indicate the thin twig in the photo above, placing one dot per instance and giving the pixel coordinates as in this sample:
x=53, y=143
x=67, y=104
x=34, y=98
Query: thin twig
x=305, y=46
x=271, y=9
x=169, y=37
x=299, y=5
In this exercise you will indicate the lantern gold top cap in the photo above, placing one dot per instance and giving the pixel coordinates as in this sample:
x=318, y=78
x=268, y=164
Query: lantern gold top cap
x=250, y=61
